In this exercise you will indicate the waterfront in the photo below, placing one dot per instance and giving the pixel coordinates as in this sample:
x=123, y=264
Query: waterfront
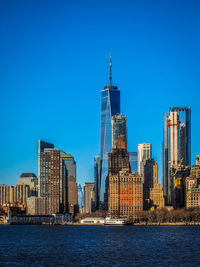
x=32, y=245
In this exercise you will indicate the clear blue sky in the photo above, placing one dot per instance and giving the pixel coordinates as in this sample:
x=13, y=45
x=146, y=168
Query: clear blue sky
x=54, y=61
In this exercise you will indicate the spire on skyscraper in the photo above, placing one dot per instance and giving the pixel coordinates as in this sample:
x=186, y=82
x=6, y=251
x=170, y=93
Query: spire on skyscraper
x=110, y=71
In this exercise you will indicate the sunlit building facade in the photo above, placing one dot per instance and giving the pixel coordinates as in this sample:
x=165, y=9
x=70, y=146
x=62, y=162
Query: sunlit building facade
x=176, y=144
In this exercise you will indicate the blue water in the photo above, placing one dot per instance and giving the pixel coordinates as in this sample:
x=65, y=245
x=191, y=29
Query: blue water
x=32, y=245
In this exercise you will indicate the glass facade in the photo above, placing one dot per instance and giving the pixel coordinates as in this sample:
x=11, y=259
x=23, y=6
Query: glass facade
x=133, y=159
x=119, y=129
x=176, y=142
x=110, y=105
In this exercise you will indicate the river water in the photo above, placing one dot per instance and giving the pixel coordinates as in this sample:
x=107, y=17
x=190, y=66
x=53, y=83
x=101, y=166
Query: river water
x=73, y=245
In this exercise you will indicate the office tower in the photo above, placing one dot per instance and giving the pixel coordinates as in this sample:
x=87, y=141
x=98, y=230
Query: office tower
x=96, y=180
x=53, y=180
x=133, y=160
x=125, y=189
x=41, y=146
x=89, y=199
x=152, y=191
x=72, y=189
x=144, y=153
x=118, y=128
x=110, y=105
x=72, y=195
x=31, y=180
x=80, y=198
x=37, y=206
x=176, y=143
x=177, y=178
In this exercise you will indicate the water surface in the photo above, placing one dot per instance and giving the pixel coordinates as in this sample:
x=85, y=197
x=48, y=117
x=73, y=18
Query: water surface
x=32, y=245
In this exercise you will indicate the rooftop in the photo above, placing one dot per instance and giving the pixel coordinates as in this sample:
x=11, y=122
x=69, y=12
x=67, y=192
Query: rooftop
x=28, y=174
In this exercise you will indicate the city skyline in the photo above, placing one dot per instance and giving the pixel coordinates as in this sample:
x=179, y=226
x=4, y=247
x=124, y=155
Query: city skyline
x=151, y=78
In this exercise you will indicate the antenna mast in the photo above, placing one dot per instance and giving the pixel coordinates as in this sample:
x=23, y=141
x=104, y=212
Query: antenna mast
x=110, y=71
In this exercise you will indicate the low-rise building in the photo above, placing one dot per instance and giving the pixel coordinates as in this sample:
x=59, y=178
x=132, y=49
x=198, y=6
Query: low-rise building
x=37, y=206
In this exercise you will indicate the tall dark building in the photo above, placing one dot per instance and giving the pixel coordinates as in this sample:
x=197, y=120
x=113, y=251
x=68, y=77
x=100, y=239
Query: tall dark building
x=41, y=179
x=119, y=157
x=110, y=105
x=176, y=143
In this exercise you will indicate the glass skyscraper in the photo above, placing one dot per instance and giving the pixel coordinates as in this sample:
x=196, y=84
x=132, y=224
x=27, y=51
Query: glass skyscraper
x=176, y=143
x=110, y=105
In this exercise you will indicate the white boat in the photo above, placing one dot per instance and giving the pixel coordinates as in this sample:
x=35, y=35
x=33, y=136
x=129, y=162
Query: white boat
x=110, y=221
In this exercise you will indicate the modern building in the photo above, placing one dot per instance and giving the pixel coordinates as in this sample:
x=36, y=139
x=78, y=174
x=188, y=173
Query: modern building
x=80, y=198
x=31, y=180
x=144, y=153
x=119, y=128
x=72, y=189
x=110, y=106
x=96, y=180
x=41, y=146
x=133, y=160
x=176, y=143
x=89, y=197
x=53, y=180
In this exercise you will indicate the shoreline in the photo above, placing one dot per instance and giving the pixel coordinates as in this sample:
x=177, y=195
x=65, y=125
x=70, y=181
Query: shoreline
x=101, y=224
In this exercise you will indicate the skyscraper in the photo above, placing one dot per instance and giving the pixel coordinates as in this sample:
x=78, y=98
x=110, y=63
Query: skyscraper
x=89, y=197
x=176, y=143
x=144, y=153
x=118, y=128
x=125, y=193
x=96, y=179
x=80, y=198
x=41, y=146
x=110, y=105
x=72, y=190
x=133, y=159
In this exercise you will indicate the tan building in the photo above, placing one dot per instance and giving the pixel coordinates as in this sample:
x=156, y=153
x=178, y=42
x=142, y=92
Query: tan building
x=156, y=196
x=6, y=194
x=14, y=194
x=192, y=194
x=153, y=193
x=125, y=194
x=89, y=198
x=37, y=206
